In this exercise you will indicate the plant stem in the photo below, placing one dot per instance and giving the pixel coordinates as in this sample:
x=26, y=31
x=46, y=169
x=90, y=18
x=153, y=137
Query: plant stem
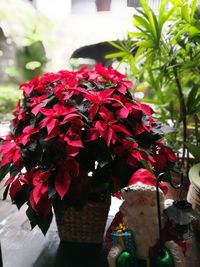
x=182, y=111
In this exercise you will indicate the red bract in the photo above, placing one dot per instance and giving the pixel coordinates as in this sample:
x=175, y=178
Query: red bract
x=75, y=134
x=163, y=155
x=33, y=85
x=19, y=114
x=108, y=127
x=129, y=108
x=15, y=187
x=66, y=170
x=26, y=134
x=134, y=155
x=147, y=110
x=51, y=119
x=43, y=207
x=109, y=74
x=10, y=152
x=36, y=103
x=98, y=98
x=40, y=185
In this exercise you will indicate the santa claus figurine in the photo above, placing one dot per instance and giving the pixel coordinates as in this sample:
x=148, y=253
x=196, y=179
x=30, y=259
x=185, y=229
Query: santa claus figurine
x=139, y=212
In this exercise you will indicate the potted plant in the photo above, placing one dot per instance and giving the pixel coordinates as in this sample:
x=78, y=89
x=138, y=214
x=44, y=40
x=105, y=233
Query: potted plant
x=162, y=53
x=77, y=137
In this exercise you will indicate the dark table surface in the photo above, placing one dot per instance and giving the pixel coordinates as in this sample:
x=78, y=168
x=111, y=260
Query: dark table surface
x=22, y=247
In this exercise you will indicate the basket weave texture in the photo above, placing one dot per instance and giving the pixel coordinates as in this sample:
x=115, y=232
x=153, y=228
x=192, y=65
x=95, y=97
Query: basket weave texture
x=85, y=226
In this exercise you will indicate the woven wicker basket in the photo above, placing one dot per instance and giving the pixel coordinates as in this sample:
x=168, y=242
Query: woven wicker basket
x=85, y=226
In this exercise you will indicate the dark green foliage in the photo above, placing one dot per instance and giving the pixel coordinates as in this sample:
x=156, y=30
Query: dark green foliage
x=42, y=222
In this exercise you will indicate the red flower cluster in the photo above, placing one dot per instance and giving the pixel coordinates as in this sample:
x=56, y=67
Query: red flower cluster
x=76, y=133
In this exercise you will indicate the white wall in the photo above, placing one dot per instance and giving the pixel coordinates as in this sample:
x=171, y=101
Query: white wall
x=55, y=9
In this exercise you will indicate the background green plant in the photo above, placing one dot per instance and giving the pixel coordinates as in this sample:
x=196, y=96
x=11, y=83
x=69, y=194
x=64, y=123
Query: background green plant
x=9, y=97
x=25, y=32
x=23, y=35
x=163, y=54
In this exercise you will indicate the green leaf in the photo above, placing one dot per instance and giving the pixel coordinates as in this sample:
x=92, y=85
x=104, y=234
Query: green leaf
x=161, y=14
x=162, y=9
x=153, y=81
x=151, y=101
x=101, y=153
x=31, y=216
x=145, y=164
x=4, y=170
x=116, y=55
x=150, y=24
x=21, y=196
x=138, y=35
x=139, y=10
x=50, y=101
x=141, y=22
x=51, y=191
x=133, y=64
x=42, y=222
x=124, y=59
x=193, y=8
x=116, y=45
x=5, y=193
x=163, y=129
x=192, y=98
x=170, y=12
x=175, y=2
x=13, y=170
x=140, y=51
x=123, y=172
x=185, y=13
x=146, y=44
x=154, y=24
x=195, y=151
x=194, y=31
x=145, y=6
x=197, y=101
x=164, y=15
x=180, y=32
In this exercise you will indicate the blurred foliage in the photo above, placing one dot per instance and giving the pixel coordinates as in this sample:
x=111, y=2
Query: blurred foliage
x=26, y=31
x=23, y=23
x=9, y=97
x=32, y=59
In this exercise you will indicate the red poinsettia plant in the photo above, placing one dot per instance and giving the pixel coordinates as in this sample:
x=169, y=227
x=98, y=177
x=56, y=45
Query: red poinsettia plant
x=74, y=135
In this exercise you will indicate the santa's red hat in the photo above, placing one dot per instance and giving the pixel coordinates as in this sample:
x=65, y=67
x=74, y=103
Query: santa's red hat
x=142, y=180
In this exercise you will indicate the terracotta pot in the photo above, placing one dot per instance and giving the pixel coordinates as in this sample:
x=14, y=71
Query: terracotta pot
x=103, y=5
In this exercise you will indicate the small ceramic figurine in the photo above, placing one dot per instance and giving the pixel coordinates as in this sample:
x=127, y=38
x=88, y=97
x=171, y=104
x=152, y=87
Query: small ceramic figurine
x=139, y=212
x=141, y=215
